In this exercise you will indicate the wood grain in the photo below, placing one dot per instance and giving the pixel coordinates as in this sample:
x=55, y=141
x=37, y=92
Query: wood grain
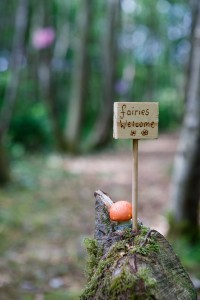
x=135, y=185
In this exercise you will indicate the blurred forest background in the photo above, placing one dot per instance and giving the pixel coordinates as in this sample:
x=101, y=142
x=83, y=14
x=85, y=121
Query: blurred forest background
x=62, y=65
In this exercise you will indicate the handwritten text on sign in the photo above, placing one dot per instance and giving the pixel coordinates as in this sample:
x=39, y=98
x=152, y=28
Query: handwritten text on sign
x=135, y=120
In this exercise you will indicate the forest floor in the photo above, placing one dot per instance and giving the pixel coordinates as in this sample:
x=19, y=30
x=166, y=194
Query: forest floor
x=48, y=210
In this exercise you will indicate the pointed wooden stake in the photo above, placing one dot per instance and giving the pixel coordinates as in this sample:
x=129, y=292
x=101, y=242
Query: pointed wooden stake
x=135, y=185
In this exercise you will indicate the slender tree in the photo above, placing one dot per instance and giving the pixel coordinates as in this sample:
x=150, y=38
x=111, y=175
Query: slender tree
x=17, y=56
x=46, y=82
x=102, y=133
x=186, y=177
x=80, y=77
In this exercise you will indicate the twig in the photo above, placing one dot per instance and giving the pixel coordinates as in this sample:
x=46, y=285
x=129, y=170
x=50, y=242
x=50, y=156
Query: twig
x=135, y=262
x=102, y=231
x=148, y=235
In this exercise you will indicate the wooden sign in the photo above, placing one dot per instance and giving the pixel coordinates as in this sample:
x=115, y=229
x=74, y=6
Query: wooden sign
x=135, y=120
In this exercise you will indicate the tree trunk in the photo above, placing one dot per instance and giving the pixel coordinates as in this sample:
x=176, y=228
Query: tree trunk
x=81, y=78
x=48, y=90
x=186, y=177
x=102, y=133
x=132, y=265
x=4, y=167
x=45, y=74
x=17, y=57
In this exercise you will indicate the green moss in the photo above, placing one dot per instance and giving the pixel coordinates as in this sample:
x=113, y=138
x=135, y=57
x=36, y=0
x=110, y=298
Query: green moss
x=100, y=269
x=150, y=283
x=126, y=283
x=94, y=254
x=136, y=244
x=121, y=284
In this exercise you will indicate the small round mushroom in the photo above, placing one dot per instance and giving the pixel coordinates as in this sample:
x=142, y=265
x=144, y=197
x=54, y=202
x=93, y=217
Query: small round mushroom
x=121, y=211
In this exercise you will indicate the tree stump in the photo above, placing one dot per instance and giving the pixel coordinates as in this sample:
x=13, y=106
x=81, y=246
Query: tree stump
x=123, y=264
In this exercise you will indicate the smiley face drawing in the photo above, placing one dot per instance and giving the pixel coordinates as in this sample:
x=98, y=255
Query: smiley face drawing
x=144, y=132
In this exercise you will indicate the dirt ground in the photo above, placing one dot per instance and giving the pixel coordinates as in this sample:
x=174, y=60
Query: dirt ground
x=112, y=173
x=44, y=256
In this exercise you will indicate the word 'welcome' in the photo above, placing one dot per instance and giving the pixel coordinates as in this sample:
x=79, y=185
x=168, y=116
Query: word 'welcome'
x=137, y=124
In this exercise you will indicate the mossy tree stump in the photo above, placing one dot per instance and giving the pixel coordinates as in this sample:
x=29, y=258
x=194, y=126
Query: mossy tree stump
x=129, y=265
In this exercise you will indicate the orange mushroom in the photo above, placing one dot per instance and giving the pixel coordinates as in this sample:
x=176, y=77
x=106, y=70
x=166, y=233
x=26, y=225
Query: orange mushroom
x=121, y=211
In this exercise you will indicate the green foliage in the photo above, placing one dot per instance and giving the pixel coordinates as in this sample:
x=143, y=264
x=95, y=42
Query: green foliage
x=188, y=254
x=170, y=109
x=4, y=79
x=30, y=128
x=182, y=229
x=157, y=61
x=186, y=243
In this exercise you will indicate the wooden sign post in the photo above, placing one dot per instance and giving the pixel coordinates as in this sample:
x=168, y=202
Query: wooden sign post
x=135, y=120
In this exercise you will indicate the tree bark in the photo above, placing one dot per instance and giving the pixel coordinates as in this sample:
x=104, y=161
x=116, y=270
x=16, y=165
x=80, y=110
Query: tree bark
x=132, y=265
x=21, y=21
x=80, y=79
x=101, y=134
x=48, y=90
x=4, y=167
x=45, y=74
x=186, y=176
